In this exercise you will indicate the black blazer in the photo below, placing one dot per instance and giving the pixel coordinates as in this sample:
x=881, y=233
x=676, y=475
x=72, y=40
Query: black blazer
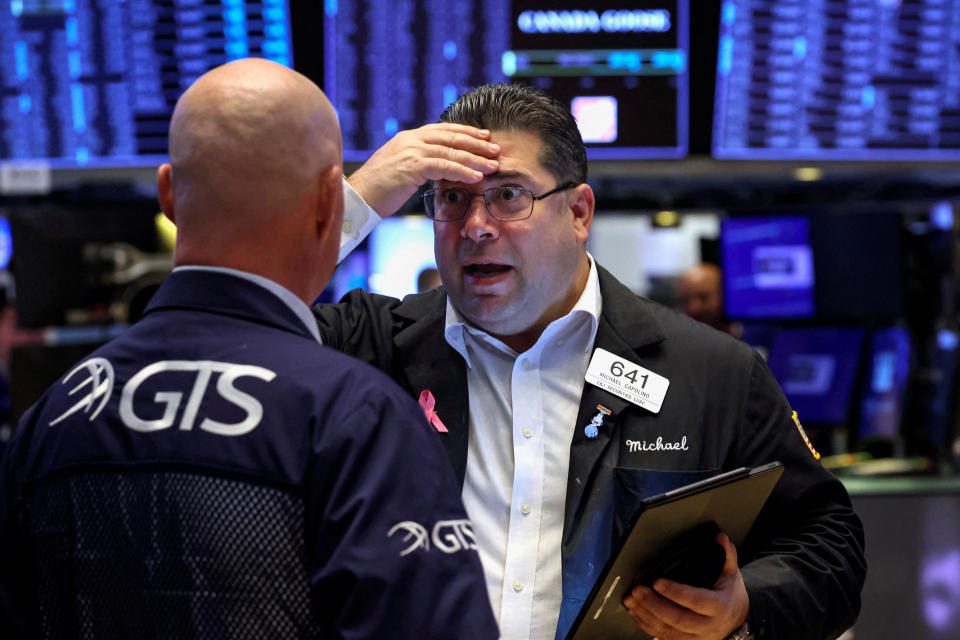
x=803, y=563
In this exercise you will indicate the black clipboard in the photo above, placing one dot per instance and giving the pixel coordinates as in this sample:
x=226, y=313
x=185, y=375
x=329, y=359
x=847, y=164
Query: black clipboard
x=731, y=500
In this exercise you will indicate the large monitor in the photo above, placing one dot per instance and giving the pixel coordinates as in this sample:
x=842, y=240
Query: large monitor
x=823, y=266
x=622, y=67
x=838, y=81
x=74, y=258
x=92, y=84
x=817, y=369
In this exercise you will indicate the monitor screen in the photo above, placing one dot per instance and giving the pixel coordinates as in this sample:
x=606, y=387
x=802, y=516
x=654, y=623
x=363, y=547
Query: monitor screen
x=768, y=267
x=93, y=84
x=837, y=81
x=620, y=66
x=823, y=266
x=71, y=258
x=817, y=368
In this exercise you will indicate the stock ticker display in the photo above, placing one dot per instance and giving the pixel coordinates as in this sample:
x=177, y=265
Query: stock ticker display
x=838, y=80
x=92, y=83
x=620, y=66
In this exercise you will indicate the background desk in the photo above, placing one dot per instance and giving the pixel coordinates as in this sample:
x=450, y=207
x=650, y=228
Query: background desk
x=912, y=530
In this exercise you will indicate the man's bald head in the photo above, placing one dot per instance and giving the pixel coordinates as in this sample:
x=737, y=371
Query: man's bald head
x=254, y=150
x=251, y=134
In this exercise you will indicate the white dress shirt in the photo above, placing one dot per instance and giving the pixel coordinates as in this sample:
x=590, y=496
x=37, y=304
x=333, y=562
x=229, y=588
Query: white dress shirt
x=523, y=409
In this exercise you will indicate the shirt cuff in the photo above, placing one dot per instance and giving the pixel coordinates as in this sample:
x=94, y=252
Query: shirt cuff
x=359, y=219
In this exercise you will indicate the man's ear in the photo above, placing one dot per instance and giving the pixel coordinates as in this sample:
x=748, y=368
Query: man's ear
x=582, y=203
x=329, y=212
x=165, y=191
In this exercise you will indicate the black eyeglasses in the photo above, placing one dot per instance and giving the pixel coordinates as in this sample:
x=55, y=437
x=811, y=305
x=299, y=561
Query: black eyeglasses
x=507, y=203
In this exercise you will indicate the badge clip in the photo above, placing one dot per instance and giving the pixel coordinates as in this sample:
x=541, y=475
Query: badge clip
x=592, y=430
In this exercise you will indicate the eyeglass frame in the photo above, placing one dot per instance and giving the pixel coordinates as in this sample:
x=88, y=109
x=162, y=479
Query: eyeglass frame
x=569, y=184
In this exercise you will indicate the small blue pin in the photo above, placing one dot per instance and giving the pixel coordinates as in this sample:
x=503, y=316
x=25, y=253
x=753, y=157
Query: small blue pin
x=592, y=430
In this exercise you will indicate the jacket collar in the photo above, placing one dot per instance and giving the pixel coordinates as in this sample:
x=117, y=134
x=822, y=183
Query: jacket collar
x=202, y=290
x=429, y=363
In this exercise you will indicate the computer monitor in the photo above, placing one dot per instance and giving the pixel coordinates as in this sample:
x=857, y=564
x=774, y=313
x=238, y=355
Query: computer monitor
x=65, y=254
x=768, y=267
x=820, y=265
x=93, y=84
x=827, y=81
x=621, y=67
x=817, y=369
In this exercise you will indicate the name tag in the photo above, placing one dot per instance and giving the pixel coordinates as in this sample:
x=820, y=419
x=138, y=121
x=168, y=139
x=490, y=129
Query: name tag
x=627, y=380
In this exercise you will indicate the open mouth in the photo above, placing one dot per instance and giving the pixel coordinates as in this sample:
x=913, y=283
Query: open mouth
x=485, y=270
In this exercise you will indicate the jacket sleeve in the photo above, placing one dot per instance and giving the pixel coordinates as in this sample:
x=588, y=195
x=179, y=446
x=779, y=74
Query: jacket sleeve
x=394, y=551
x=805, y=554
x=361, y=325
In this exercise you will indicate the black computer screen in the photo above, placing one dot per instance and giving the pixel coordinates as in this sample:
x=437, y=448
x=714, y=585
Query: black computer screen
x=875, y=80
x=92, y=83
x=817, y=368
x=621, y=66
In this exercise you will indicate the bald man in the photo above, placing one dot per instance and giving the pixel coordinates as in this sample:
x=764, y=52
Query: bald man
x=215, y=472
x=700, y=295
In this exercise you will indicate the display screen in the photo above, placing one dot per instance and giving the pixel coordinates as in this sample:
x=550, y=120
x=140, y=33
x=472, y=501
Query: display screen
x=877, y=80
x=92, y=83
x=768, y=267
x=823, y=266
x=620, y=66
x=817, y=368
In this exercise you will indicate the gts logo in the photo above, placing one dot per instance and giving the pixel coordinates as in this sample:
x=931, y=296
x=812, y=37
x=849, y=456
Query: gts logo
x=176, y=394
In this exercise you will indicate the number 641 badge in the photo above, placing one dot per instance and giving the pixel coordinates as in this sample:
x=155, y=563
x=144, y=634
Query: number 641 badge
x=627, y=380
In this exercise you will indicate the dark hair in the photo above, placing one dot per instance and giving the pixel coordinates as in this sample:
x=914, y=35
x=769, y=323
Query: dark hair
x=517, y=107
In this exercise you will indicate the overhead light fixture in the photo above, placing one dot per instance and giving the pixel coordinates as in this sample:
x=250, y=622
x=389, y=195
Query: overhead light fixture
x=666, y=218
x=807, y=174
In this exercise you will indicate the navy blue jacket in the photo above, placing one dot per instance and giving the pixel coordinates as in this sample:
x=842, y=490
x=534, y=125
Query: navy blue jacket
x=216, y=473
x=803, y=564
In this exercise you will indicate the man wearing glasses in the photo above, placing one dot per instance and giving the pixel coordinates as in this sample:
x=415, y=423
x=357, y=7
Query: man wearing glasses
x=504, y=360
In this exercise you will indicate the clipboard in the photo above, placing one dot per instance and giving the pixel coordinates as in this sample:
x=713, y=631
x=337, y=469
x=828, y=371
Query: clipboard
x=730, y=500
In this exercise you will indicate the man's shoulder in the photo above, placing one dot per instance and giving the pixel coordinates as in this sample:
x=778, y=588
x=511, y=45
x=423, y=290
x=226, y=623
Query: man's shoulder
x=621, y=307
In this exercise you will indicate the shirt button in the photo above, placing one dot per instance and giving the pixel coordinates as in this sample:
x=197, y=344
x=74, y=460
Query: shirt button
x=525, y=509
x=347, y=226
x=558, y=343
x=517, y=586
x=527, y=432
x=526, y=364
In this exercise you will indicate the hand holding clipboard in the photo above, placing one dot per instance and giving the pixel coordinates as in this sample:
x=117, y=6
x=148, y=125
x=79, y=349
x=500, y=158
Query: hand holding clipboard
x=666, y=532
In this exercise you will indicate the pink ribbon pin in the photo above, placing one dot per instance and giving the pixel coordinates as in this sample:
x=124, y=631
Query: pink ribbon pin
x=427, y=403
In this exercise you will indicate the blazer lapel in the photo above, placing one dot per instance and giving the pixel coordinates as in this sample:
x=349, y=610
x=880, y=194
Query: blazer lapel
x=624, y=328
x=430, y=364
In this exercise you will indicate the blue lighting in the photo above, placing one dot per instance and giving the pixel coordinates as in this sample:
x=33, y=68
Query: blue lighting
x=947, y=340
x=76, y=102
x=449, y=95
x=449, y=50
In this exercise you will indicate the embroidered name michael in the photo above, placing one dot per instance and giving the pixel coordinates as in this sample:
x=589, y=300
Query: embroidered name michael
x=659, y=445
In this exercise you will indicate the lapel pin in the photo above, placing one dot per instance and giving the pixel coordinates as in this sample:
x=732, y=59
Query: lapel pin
x=592, y=430
x=428, y=403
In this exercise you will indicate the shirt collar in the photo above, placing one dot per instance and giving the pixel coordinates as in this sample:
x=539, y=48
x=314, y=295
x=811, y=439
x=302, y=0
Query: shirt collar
x=589, y=303
x=286, y=296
